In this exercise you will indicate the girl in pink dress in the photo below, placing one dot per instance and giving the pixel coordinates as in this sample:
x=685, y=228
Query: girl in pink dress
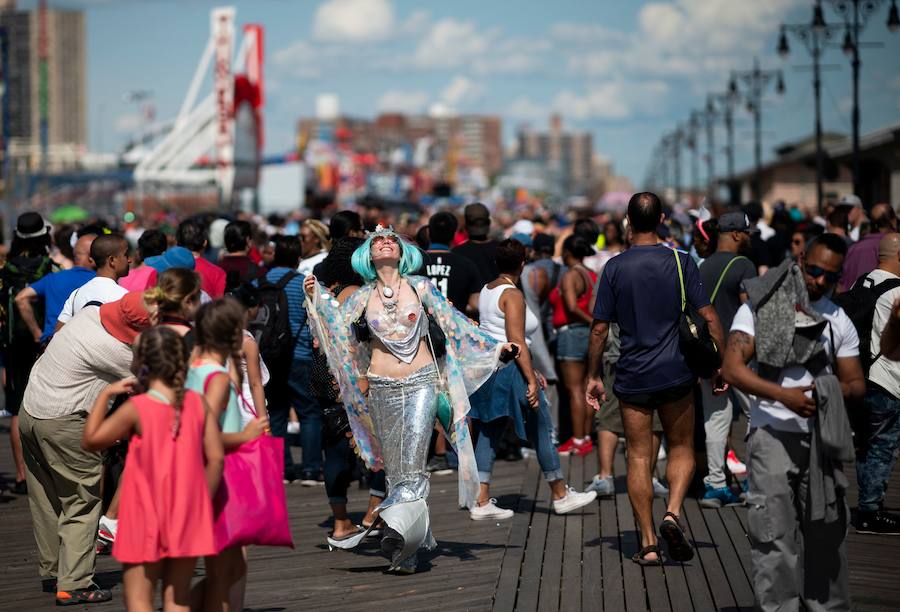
x=173, y=468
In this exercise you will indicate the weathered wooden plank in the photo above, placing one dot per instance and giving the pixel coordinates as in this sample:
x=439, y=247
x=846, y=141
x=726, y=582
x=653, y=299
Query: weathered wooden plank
x=676, y=584
x=511, y=566
x=629, y=543
x=592, y=569
x=551, y=572
x=701, y=598
x=706, y=555
x=731, y=563
x=573, y=547
x=530, y=576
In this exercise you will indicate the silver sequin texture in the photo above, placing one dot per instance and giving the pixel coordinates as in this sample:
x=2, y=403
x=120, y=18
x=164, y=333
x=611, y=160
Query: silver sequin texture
x=403, y=412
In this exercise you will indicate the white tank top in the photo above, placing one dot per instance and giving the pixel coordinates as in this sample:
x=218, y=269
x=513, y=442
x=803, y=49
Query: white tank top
x=493, y=321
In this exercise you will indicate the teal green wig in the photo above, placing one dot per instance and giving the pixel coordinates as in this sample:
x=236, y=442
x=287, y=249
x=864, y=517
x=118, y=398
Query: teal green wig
x=361, y=260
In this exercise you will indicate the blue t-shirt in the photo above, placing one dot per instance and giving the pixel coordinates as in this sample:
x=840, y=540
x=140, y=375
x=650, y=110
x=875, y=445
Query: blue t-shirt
x=296, y=311
x=639, y=290
x=55, y=289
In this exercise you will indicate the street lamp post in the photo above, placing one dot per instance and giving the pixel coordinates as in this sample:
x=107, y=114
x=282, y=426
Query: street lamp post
x=856, y=15
x=693, y=127
x=709, y=121
x=726, y=102
x=675, y=141
x=814, y=37
x=755, y=82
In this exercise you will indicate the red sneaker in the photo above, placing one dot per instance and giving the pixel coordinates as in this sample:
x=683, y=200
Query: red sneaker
x=566, y=447
x=585, y=448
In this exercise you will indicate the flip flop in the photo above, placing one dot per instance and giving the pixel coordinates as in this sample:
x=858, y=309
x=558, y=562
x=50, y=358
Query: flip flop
x=348, y=541
x=672, y=532
x=373, y=530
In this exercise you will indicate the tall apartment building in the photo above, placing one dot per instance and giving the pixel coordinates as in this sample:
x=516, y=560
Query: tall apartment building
x=472, y=139
x=65, y=90
x=567, y=155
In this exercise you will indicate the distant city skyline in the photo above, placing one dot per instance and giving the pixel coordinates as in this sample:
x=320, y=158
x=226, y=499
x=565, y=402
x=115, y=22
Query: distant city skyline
x=625, y=71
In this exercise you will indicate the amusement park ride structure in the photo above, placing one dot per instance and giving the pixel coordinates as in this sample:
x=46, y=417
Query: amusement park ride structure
x=217, y=141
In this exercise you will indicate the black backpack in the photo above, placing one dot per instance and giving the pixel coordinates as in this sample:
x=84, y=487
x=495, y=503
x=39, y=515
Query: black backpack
x=272, y=325
x=859, y=304
x=19, y=273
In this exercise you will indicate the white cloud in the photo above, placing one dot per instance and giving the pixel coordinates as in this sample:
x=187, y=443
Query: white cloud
x=128, y=124
x=461, y=90
x=450, y=43
x=695, y=39
x=613, y=100
x=524, y=108
x=415, y=24
x=300, y=59
x=354, y=20
x=399, y=101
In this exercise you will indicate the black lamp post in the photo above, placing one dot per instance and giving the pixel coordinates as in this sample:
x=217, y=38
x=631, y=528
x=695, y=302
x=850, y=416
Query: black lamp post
x=814, y=36
x=726, y=102
x=856, y=14
x=754, y=83
x=709, y=122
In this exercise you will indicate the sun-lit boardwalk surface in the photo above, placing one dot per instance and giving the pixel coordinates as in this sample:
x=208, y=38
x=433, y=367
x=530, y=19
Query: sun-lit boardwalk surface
x=536, y=561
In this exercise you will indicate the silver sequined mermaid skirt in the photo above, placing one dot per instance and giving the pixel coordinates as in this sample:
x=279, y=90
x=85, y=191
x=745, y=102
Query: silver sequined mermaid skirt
x=403, y=412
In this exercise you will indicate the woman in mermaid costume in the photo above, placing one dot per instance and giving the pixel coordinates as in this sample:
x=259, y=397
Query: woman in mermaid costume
x=392, y=377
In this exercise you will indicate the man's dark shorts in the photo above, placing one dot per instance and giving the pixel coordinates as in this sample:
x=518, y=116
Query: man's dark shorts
x=655, y=399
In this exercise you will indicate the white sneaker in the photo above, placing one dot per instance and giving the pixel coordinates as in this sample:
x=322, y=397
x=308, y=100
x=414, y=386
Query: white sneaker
x=603, y=486
x=490, y=512
x=659, y=489
x=735, y=466
x=293, y=427
x=661, y=455
x=573, y=500
x=107, y=529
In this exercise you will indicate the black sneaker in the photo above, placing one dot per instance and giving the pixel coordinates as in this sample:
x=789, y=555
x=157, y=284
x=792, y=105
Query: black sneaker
x=48, y=585
x=879, y=522
x=438, y=466
x=20, y=488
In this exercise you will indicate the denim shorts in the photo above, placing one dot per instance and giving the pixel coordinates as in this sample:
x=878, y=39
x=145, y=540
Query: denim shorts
x=572, y=342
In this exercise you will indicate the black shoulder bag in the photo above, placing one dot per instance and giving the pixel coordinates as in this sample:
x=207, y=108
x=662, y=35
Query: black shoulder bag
x=696, y=344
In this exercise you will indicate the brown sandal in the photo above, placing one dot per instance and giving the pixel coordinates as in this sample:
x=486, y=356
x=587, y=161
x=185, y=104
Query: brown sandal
x=640, y=557
x=672, y=532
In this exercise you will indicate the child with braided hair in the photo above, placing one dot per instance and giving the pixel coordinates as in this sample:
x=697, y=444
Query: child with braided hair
x=173, y=468
x=219, y=332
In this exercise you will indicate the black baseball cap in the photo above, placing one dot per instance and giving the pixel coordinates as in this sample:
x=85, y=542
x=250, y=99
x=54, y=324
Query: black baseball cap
x=477, y=216
x=734, y=222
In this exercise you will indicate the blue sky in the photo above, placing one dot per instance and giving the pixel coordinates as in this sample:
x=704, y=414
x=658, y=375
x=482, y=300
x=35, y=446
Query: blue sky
x=625, y=70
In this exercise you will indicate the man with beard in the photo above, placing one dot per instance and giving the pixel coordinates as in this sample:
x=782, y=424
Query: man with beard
x=722, y=274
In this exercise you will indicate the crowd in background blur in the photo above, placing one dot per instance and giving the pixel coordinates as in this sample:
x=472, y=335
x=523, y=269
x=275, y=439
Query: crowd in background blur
x=51, y=274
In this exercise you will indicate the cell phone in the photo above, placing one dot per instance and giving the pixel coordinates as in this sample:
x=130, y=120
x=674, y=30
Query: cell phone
x=507, y=355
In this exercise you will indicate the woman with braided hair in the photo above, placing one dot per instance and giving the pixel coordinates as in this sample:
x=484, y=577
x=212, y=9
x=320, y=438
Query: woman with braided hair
x=173, y=468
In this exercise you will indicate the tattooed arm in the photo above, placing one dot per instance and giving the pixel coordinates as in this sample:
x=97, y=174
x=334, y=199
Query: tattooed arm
x=739, y=352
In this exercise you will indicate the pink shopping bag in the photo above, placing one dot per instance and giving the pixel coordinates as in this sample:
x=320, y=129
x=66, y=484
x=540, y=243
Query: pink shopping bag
x=250, y=505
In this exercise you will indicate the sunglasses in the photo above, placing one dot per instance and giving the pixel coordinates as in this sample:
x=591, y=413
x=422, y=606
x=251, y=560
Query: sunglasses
x=816, y=272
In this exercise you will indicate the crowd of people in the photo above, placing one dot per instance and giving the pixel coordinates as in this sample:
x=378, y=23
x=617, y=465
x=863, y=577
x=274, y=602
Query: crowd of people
x=392, y=350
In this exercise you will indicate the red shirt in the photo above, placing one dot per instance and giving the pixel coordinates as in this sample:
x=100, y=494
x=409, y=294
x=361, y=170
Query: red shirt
x=212, y=277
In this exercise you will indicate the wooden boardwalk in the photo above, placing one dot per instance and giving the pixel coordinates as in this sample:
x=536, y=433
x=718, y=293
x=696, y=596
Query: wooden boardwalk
x=536, y=561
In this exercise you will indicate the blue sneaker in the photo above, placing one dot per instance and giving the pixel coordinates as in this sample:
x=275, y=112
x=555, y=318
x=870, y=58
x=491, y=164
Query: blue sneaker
x=717, y=498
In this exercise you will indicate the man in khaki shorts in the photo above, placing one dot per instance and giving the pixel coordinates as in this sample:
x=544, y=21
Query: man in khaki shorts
x=608, y=424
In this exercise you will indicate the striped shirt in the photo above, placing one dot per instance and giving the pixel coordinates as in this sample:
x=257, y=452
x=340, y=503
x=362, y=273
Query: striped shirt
x=79, y=362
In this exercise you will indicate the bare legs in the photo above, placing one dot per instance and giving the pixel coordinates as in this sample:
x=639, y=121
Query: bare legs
x=140, y=584
x=573, y=374
x=606, y=452
x=342, y=523
x=678, y=422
